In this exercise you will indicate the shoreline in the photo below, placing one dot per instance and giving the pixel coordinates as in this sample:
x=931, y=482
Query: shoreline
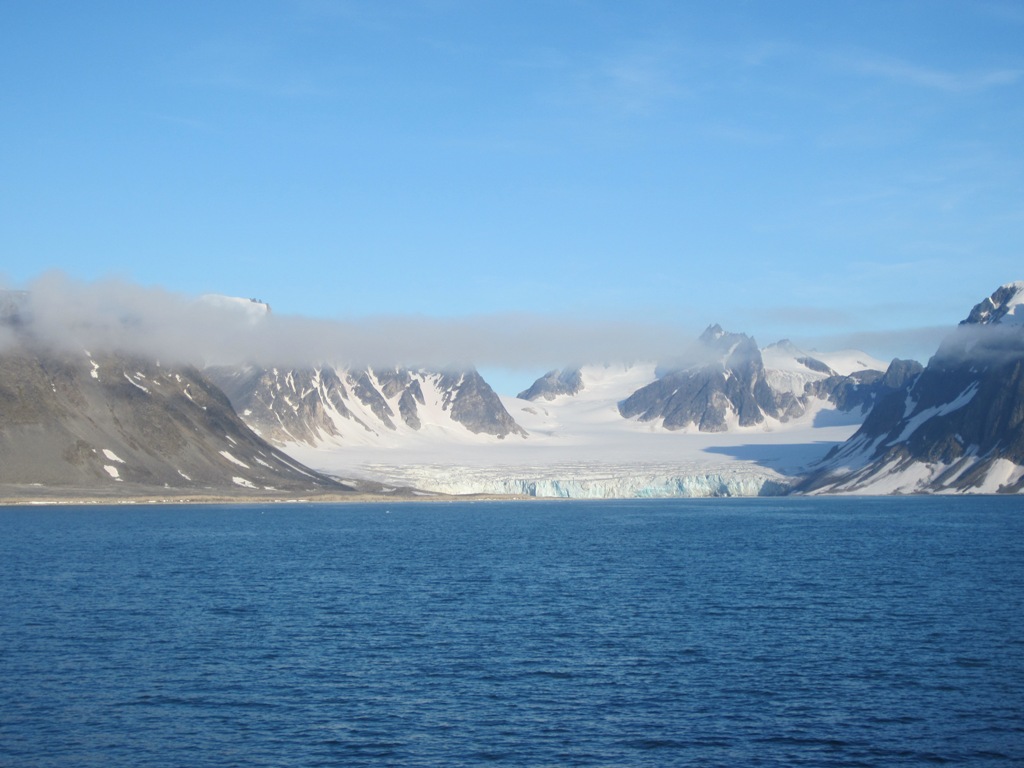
x=50, y=497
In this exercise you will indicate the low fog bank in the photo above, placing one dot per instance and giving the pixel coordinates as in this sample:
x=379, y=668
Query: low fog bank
x=907, y=343
x=117, y=316
x=113, y=315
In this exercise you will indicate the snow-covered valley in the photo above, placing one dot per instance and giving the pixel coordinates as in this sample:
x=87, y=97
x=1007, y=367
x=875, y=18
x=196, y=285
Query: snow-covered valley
x=580, y=446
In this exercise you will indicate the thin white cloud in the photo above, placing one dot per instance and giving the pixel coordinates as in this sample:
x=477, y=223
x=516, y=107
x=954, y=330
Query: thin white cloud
x=636, y=79
x=907, y=73
x=743, y=135
x=804, y=316
x=763, y=52
x=639, y=81
x=1007, y=12
x=246, y=67
x=917, y=343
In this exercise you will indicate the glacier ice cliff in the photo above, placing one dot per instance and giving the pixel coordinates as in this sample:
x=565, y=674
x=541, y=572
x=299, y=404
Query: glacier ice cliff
x=593, y=484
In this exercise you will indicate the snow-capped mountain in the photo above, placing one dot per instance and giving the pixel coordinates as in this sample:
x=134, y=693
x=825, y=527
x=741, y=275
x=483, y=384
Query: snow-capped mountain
x=790, y=369
x=957, y=426
x=325, y=406
x=731, y=384
x=728, y=386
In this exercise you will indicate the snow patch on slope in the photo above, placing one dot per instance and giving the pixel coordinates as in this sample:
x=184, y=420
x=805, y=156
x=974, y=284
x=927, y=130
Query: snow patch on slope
x=227, y=455
x=907, y=477
x=929, y=413
x=111, y=456
x=1002, y=473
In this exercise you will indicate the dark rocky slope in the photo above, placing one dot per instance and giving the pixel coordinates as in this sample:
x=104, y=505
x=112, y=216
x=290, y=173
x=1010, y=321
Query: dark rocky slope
x=77, y=422
x=958, y=425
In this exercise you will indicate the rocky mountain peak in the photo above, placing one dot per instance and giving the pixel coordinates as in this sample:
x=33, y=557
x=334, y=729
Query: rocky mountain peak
x=726, y=383
x=1005, y=305
x=553, y=383
x=712, y=333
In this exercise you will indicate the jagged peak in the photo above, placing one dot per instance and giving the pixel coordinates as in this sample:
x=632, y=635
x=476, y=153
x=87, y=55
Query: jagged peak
x=1005, y=305
x=712, y=333
x=568, y=381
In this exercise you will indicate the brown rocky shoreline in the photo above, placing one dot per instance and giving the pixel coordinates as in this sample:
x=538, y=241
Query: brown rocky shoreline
x=34, y=495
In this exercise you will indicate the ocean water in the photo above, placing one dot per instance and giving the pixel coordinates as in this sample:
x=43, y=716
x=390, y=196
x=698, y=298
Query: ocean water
x=781, y=632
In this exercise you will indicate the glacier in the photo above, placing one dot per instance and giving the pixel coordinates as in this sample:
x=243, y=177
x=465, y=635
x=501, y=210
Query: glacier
x=597, y=481
x=578, y=446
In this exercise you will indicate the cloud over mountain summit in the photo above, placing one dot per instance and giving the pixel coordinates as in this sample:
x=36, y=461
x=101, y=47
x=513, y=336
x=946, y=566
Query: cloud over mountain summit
x=117, y=315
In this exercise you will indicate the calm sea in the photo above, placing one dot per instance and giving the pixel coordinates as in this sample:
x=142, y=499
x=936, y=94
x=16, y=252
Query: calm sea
x=784, y=632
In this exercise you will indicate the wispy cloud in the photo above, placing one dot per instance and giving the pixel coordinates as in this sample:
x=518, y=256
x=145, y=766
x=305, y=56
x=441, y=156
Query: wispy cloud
x=918, y=343
x=252, y=68
x=745, y=135
x=908, y=73
x=639, y=81
x=184, y=122
x=804, y=316
x=636, y=79
x=1008, y=12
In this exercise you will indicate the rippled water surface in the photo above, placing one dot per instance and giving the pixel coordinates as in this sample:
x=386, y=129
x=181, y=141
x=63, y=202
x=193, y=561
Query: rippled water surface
x=877, y=632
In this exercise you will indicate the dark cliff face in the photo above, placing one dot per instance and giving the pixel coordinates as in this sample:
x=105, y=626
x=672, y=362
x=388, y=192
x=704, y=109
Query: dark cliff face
x=476, y=406
x=959, y=416
x=307, y=405
x=864, y=389
x=89, y=421
x=730, y=381
x=554, y=383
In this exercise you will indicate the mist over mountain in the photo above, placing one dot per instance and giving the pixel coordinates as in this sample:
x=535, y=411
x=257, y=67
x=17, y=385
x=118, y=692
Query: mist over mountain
x=116, y=315
x=733, y=384
x=204, y=331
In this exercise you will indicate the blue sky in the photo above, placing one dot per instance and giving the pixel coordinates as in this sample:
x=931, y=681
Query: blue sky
x=815, y=170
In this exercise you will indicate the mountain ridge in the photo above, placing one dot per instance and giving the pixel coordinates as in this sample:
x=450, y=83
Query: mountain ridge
x=324, y=404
